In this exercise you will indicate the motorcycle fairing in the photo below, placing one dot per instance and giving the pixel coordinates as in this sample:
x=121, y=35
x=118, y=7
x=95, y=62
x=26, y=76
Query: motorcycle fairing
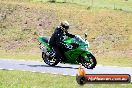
x=44, y=41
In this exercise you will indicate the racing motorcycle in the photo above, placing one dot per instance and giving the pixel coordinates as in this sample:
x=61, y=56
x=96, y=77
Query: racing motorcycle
x=76, y=52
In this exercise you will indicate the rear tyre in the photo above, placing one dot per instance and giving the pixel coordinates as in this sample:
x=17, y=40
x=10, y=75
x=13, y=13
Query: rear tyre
x=51, y=61
x=90, y=63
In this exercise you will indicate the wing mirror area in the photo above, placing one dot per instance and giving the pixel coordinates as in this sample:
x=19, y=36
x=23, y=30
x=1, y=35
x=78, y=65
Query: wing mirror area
x=85, y=35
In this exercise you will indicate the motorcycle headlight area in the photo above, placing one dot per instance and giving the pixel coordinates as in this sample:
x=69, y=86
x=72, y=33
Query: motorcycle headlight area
x=84, y=49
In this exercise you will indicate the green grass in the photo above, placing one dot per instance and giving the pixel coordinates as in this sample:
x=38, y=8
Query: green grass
x=18, y=79
x=110, y=4
x=114, y=61
x=20, y=55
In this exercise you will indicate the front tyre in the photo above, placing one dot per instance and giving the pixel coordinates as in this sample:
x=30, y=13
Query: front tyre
x=51, y=61
x=90, y=62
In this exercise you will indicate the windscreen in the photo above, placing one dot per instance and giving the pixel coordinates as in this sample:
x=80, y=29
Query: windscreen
x=79, y=39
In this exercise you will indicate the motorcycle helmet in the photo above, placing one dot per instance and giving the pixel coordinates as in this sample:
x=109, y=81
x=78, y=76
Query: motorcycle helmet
x=64, y=25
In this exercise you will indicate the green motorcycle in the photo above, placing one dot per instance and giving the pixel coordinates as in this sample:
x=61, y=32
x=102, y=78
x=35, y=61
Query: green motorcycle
x=76, y=52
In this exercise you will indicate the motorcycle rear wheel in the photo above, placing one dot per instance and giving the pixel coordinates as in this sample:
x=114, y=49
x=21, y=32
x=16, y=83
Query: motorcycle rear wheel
x=51, y=61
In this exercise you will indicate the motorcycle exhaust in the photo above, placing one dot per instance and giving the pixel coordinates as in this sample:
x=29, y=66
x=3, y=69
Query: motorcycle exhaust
x=44, y=49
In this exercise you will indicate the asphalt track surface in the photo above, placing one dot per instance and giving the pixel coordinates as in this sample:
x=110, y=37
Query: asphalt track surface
x=63, y=69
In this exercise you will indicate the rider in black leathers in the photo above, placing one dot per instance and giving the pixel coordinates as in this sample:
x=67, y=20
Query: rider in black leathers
x=56, y=40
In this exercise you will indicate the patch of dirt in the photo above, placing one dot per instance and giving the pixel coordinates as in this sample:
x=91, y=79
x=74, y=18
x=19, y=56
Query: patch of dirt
x=108, y=31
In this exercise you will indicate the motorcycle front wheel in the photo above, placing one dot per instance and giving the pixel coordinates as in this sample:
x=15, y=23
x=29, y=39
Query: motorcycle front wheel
x=51, y=61
x=90, y=63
